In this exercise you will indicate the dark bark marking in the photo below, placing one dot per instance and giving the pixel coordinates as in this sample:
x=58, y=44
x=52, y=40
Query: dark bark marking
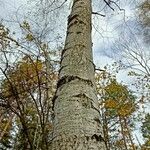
x=70, y=18
x=98, y=138
x=53, y=100
x=62, y=53
x=64, y=80
x=61, y=68
x=78, y=32
x=64, y=50
x=87, y=138
x=69, y=33
x=75, y=1
x=62, y=57
x=92, y=106
x=82, y=22
x=91, y=61
x=76, y=18
x=67, y=79
x=86, y=101
x=81, y=95
x=97, y=120
x=71, y=24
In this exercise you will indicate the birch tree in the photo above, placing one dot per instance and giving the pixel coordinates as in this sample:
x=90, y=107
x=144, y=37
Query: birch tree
x=76, y=115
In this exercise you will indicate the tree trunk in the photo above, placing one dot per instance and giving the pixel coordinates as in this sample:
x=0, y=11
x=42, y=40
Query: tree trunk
x=129, y=133
x=122, y=132
x=77, y=124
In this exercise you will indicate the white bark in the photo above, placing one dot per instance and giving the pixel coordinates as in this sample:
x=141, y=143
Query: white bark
x=76, y=122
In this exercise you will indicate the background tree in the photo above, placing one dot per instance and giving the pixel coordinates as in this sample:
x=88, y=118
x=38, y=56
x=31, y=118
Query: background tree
x=117, y=108
x=144, y=16
x=146, y=132
x=27, y=89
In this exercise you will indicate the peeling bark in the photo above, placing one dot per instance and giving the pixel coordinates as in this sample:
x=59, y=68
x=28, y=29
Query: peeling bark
x=77, y=124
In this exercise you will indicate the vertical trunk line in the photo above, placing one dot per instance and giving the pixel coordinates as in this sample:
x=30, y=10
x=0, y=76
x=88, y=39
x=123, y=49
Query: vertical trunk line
x=122, y=132
x=77, y=124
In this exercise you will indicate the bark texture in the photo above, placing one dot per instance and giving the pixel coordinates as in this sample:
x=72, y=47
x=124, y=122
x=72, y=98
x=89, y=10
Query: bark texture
x=77, y=124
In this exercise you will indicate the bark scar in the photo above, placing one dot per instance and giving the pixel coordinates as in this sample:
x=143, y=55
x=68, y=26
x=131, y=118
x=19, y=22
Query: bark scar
x=67, y=79
x=98, y=138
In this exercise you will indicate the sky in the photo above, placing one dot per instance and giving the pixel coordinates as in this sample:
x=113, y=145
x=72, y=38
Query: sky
x=107, y=31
